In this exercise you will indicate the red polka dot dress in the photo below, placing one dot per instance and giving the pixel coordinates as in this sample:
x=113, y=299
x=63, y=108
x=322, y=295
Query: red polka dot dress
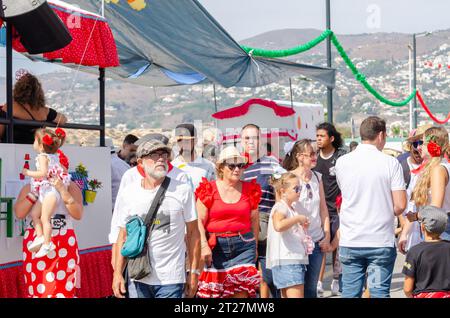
x=56, y=274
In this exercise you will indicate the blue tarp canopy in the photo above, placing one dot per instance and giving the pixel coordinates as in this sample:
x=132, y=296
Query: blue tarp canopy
x=175, y=42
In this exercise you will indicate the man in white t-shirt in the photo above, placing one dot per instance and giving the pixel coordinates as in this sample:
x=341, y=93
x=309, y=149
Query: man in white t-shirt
x=186, y=158
x=166, y=244
x=373, y=193
x=137, y=174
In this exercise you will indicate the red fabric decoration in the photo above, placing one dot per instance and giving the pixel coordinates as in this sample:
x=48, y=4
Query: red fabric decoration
x=48, y=140
x=95, y=272
x=205, y=192
x=434, y=149
x=427, y=110
x=439, y=294
x=254, y=194
x=92, y=40
x=63, y=160
x=60, y=133
x=339, y=201
x=239, y=111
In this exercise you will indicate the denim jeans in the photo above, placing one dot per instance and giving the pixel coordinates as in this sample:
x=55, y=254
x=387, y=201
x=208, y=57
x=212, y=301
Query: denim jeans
x=377, y=262
x=313, y=272
x=141, y=290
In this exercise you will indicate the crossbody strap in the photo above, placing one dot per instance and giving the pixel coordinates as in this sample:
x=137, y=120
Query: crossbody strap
x=156, y=204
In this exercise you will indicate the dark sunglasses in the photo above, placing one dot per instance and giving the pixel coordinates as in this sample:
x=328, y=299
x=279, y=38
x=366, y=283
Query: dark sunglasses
x=310, y=194
x=233, y=166
x=417, y=143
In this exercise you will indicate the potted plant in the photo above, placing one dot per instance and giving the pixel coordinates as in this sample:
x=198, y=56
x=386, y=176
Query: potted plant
x=91, y=192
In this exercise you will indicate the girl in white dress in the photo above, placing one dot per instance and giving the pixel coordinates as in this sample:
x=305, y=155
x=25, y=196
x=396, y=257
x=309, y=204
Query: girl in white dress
x=46, y=143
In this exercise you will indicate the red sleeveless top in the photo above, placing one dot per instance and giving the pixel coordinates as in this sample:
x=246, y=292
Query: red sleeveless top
x=228, y=217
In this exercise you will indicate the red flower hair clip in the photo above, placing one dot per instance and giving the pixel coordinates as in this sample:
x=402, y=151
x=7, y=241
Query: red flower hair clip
x=434, y=149
x=48, y=140
x=60, y=133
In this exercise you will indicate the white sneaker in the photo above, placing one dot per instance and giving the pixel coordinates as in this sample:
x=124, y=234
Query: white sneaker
x=335, y=287
x=36, y=244
x=319, y=287
x=45, y=249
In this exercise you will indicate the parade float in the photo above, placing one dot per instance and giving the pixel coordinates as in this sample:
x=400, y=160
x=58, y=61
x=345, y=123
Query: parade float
x=80, y=38
x=280, y=122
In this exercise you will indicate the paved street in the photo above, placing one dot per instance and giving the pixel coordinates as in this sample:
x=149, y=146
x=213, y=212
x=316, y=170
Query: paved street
x=396, y=285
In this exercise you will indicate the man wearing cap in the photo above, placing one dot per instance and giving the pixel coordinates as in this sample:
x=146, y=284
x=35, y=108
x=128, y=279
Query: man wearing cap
x=166, y=243
x=137, y=174
x=411, y=165
x=427, y=266
x=187, y=160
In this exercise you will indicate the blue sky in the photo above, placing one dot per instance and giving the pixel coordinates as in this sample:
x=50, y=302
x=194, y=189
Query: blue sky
x=246, y=18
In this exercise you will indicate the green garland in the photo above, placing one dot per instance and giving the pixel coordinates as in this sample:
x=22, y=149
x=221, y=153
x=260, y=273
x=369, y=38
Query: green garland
x=360, y=77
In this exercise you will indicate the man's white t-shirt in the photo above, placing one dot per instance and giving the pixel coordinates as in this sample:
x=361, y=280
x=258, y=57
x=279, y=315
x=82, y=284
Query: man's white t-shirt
x=197, y=169
x=133, y=176
x=367, y=178
x=118, y=169
x=167, y=248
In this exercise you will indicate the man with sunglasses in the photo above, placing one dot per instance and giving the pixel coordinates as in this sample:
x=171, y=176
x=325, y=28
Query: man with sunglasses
x=261, y=168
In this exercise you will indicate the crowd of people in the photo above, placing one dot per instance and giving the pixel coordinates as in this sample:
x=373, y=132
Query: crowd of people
x=238, y=221
x=261, y=226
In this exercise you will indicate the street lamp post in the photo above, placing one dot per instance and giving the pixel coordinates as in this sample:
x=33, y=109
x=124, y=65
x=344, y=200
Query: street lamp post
x=416, y=35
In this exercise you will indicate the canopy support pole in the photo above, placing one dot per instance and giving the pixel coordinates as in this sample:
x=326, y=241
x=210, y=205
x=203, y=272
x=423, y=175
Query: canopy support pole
x=9, y=82
x=329, y=89
x=290, y=89
x=215, y=97
x=102, y=106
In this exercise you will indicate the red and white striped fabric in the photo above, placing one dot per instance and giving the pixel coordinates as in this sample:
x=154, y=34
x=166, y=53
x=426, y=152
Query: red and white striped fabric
x=223, y=283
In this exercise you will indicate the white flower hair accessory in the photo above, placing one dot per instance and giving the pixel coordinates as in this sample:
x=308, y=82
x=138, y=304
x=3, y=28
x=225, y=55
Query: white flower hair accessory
x=278, y=172
x=288, y=147
x=20, y=72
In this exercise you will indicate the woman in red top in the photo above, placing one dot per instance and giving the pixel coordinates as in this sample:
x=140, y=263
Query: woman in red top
x=228, y=222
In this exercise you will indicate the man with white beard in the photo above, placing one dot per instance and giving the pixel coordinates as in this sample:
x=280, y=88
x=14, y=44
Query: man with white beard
x=166, y=243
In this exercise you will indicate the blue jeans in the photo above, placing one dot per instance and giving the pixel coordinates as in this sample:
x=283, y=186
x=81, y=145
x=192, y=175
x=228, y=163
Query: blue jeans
x=141, y=290
x=377, y=262
x=313, y=271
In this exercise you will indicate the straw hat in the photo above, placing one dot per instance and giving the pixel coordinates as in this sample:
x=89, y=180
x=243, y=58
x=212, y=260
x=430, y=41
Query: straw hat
x=231, y=152
x=417, y=134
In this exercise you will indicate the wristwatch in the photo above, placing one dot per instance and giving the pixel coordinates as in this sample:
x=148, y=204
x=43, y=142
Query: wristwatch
x=195, y=271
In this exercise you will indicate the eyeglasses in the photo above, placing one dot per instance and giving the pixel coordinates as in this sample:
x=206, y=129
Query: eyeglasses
x=156, y=155
x=417, y=143
x=233, y=166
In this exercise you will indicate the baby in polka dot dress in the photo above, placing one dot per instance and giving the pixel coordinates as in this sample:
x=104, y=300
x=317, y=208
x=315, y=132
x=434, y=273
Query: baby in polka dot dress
x=46, y=143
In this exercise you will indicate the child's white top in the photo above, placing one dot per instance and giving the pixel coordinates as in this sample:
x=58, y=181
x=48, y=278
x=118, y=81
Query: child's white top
x=54, y=169
x=285, y=248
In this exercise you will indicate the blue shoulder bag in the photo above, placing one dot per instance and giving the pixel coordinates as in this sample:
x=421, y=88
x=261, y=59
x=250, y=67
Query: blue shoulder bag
x=138, y=230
